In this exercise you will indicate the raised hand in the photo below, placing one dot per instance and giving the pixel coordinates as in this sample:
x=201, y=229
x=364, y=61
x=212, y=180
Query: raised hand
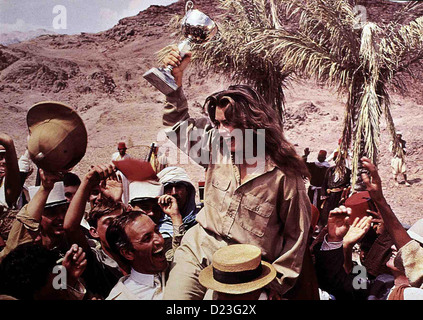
x=48, y=179
x=357, y=230
x=5, y=140
x=179, y=64
x=75, y=264
x=373, y=183
x=338, y=224
x=377, y=222
x=99, y=173
x=169, y=206
x=112, y=188
x=306, y=151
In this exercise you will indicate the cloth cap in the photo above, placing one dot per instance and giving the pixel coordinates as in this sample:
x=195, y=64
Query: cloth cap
x=416, y=231
x=237, y=269
x=56, y=196
x=57, y=136
x=121, y=145
x=139, y=190
x=2, y=149
x=173, y=175
x=399, y=133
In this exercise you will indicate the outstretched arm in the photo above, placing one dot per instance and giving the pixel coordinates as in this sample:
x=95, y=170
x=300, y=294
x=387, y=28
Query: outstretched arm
x=410, y=254
x=76, y=209
x=176, y=108
x=36, y=205
x=191, y=136
x=392, y=224
x=12, y=182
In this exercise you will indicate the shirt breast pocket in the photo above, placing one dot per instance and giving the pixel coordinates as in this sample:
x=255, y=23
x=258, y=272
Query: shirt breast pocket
x=217, y=194
x=254, y=214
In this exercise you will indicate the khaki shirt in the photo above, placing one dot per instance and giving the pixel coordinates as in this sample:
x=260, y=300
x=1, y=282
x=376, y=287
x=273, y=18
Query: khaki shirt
x=270, y=210
x=25, y=229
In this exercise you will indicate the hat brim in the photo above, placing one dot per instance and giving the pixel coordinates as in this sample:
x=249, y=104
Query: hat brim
x=55, y=204
x=78, y=137
x=268, y=274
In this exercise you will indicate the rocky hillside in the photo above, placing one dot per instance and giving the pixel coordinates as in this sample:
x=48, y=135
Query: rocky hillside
x=18, y=36
x=100, y=75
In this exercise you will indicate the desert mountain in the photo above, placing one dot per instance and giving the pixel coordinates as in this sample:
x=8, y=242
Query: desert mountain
x=100, y=76
x=19, y=36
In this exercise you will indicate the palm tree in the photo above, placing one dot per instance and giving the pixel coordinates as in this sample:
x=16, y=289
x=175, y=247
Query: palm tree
x=268, y=42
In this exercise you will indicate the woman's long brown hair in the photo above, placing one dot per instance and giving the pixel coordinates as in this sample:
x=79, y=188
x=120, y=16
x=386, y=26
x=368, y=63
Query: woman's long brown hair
x=248, y=110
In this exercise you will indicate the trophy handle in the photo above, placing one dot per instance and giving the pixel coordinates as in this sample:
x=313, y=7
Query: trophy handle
x=189, y=6
x=185, y=45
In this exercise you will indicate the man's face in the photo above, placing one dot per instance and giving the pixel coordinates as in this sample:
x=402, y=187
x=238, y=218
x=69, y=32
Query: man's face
x=148, y=255
x=70, y=192
x=122, y=151
x=150, y=207
x=102, y=225
x=95, y=196
x=179, y=191
x=321, y=158
x=52, y=220
x=2, y=164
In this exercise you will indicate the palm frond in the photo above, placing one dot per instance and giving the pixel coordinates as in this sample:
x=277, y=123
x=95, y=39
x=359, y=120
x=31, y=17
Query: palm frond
x=267, y=43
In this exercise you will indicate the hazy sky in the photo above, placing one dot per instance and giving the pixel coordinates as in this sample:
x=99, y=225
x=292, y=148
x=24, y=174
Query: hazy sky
x=73, y=15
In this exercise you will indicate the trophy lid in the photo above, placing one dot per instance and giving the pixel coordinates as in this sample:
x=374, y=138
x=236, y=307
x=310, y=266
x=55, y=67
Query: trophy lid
x=198, y=27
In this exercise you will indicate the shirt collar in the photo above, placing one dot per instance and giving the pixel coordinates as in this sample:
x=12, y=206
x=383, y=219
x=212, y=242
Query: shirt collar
x=142, y=278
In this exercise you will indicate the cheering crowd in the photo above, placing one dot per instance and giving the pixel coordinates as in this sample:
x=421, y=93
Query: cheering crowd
x=270, y=225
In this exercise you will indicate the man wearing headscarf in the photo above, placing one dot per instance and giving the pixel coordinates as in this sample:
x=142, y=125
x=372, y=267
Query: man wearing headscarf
x=177, y=183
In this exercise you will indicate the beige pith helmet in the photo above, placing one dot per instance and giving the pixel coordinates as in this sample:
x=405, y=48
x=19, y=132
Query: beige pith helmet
x=57, y=136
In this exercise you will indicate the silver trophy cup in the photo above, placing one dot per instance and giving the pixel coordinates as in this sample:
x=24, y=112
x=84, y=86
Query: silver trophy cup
x=197, y=28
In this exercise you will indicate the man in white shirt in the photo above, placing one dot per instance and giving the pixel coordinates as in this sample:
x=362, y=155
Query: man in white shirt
x=137, y=240
x=121, y=155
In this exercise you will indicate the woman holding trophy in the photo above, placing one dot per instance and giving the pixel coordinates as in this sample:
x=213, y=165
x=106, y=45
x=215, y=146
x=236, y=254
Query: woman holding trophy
x=258, y=200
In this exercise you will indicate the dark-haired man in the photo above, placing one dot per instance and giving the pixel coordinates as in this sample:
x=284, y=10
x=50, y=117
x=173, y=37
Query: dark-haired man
x=29, y=271
x=71, y=182
x=177, y=184
x=41, y=220
x=103, y=269
x=136, y=238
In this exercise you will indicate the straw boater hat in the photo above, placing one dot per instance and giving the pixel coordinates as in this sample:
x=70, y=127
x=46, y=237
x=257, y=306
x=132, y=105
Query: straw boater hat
x=57, y=136
x=237, y=269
